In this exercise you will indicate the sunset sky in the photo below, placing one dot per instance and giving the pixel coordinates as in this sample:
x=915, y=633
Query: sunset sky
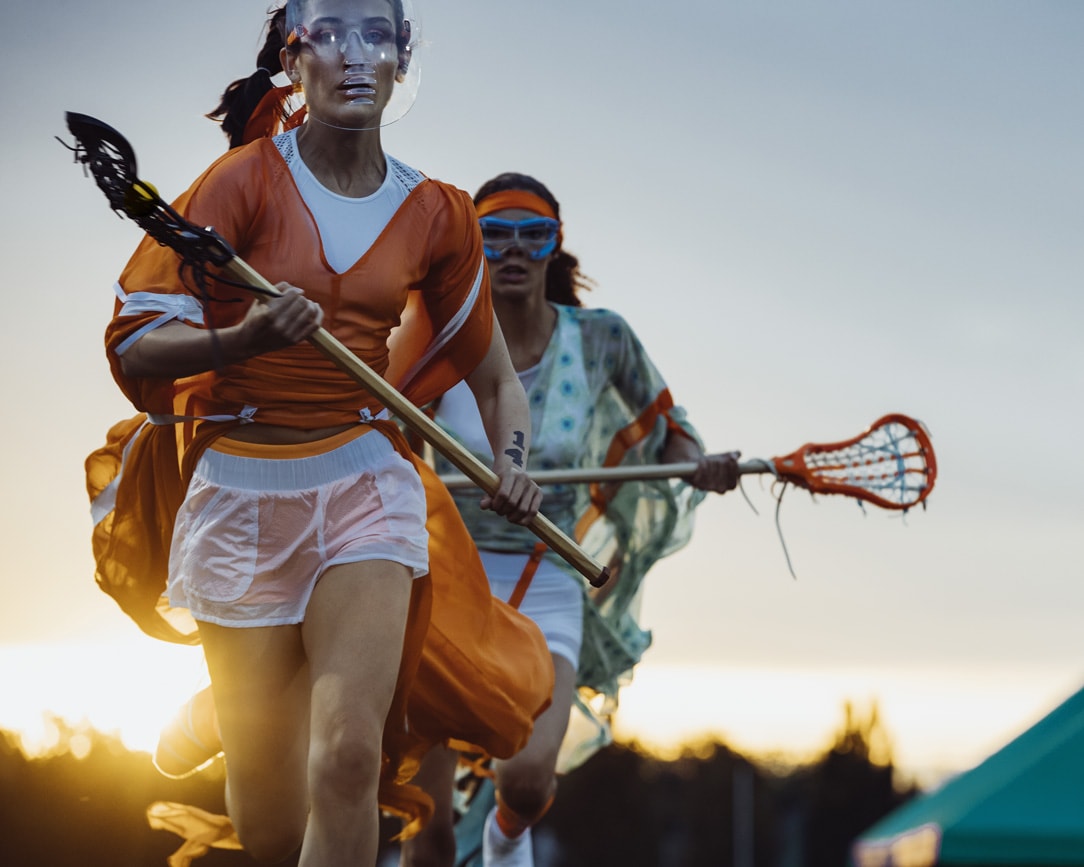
x=811, y=213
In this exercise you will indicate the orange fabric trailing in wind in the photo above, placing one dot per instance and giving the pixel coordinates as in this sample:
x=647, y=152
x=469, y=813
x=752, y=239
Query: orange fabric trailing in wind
x=130, y=542
x=472, y=632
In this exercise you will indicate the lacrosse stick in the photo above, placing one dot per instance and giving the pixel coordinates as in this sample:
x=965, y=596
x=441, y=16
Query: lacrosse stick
x=112, y=163
x=891, y=464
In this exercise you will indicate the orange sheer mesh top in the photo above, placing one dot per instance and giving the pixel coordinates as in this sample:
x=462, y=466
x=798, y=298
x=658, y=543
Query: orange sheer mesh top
x=415, y=307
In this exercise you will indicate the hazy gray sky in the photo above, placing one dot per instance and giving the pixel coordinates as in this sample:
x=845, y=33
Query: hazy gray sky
x=812, y=214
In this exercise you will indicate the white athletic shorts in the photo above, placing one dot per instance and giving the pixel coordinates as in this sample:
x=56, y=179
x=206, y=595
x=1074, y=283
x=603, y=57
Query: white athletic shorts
x=554, y=599
x=261, y=523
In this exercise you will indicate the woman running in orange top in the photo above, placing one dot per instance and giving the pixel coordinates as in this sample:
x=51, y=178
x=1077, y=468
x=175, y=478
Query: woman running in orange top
x=302, y=529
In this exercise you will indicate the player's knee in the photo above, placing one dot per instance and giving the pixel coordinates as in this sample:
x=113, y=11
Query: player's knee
x=270, y=842
x=270, y=825
x=345, y=765
x=529, y=792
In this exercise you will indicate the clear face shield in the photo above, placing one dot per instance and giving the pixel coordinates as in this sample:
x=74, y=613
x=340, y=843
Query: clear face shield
x=377, y=54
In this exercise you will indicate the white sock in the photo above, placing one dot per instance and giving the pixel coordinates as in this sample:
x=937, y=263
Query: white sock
x=501, y=851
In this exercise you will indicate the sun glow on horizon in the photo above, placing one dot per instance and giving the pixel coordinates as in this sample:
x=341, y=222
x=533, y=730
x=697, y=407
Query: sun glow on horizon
x=937, y=722
x=127, y=690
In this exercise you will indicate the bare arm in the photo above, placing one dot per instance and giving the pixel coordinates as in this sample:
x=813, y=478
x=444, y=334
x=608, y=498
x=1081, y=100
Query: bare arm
x=176, y=350
x=502, y=404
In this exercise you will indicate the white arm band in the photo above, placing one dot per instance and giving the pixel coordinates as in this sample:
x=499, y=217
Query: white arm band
x=183, y=308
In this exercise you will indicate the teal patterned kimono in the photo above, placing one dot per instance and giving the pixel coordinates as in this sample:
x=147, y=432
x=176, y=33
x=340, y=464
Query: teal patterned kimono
x=594, y=382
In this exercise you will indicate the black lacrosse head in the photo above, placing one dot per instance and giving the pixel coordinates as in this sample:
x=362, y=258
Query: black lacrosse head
x=107, y=154
x=111, y=160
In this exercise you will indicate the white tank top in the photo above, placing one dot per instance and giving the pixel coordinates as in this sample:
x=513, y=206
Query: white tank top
x=348, y=226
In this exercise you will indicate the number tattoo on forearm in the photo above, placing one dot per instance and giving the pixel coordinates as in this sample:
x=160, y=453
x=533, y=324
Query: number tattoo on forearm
x=516, y=453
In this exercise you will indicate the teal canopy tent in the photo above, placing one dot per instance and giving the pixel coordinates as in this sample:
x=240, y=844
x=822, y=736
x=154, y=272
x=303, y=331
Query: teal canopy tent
x=1024, y=805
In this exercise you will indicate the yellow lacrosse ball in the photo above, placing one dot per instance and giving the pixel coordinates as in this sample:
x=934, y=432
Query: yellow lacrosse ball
x=140, y=199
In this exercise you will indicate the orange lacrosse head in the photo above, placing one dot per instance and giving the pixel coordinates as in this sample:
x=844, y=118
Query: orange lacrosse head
x=891, y=464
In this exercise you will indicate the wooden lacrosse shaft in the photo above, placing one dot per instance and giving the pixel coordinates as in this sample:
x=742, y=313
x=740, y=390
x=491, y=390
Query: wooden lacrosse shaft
x=631, y=473
x=477, y=473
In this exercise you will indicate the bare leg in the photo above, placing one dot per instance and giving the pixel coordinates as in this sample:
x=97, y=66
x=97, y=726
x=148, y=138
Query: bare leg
x=261, y=689
x=434, y=845
x=353, y=637
x=291, y=781
x=527, y=781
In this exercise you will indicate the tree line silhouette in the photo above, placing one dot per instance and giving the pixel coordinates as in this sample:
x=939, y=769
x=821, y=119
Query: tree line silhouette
x=709, y=807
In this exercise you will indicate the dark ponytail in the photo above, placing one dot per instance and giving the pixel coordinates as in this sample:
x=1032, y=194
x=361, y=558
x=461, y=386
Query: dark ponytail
x=242, y=96
x=563, y=277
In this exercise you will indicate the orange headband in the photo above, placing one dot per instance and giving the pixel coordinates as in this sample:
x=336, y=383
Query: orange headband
x=520, y=199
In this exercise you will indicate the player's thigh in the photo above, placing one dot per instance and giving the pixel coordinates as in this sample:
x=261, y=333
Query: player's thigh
x=261, y=687
x=353, y=635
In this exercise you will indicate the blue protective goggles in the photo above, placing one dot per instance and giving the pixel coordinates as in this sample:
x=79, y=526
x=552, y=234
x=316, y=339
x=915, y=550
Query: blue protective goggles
x=536, y=236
